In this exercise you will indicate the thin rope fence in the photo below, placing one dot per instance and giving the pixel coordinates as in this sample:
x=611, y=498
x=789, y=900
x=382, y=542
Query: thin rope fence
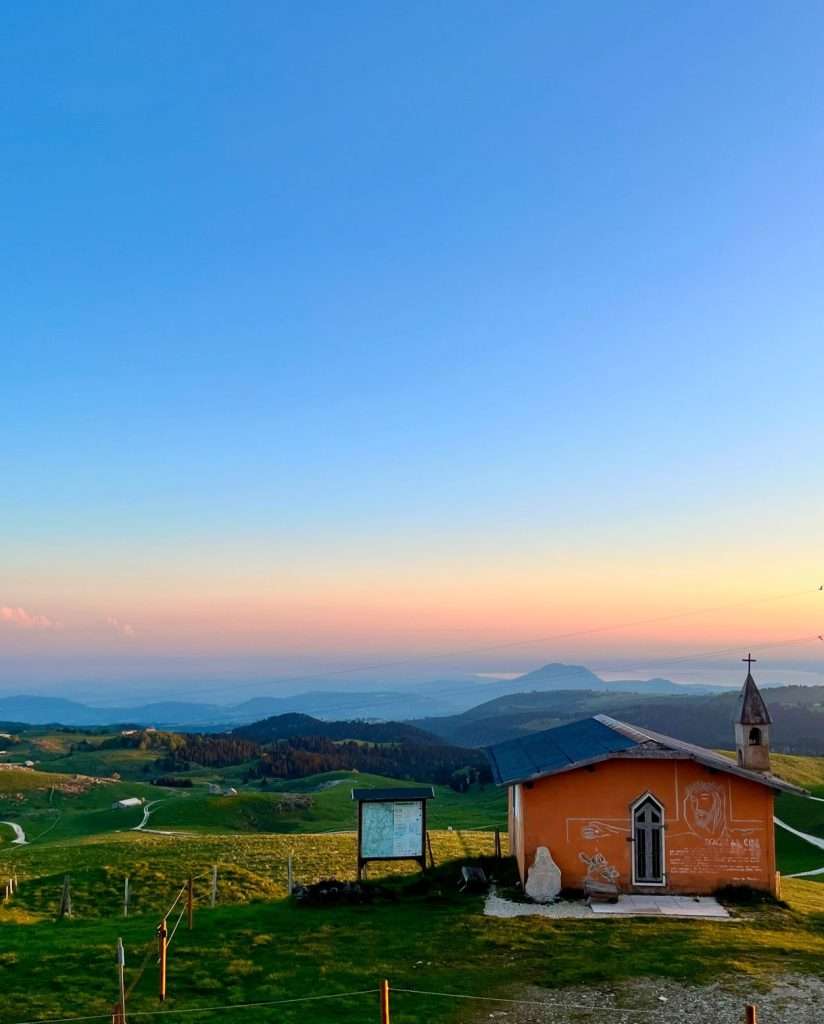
x=177, y=922
x=541, y=1004
x=547, y=1004
x=205, y=1009
x=174, y=904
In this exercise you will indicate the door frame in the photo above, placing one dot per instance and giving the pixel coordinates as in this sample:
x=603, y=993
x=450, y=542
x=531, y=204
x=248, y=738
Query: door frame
x=632, y=809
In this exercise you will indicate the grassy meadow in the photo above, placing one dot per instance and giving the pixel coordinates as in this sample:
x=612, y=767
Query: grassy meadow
x=258, y=945
x=428, y=938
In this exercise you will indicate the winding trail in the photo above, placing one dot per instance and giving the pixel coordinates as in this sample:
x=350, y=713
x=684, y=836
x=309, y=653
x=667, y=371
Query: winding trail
x=147, y=810
x=19, y=834
x=811, y=839
x=147, y=813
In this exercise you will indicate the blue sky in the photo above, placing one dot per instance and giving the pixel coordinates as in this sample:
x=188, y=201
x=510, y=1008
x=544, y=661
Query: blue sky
x=418, y=301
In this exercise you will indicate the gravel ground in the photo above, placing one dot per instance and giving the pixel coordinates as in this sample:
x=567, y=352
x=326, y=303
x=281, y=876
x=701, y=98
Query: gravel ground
x=793, y=999
x=497, y=906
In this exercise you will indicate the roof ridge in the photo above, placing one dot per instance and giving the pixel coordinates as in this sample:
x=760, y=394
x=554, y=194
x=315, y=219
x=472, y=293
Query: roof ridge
x=539, y=754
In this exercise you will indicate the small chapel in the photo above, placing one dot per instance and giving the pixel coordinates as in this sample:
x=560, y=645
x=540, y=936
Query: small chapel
x=613, y=806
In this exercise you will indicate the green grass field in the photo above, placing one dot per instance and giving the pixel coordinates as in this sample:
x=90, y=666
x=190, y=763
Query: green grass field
x=51, y=750
x=332, y=807
x=259, y=945
x=431, y=940
x=36, y=802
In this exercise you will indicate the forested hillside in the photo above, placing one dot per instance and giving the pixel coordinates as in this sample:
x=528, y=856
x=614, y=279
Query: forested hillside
x=281, y=727
x=285, y=747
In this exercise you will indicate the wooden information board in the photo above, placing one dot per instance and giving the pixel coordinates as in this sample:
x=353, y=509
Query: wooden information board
x=392, y=824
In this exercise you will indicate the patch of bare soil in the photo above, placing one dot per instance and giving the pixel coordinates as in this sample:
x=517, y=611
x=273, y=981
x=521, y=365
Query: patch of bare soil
x=792, y=999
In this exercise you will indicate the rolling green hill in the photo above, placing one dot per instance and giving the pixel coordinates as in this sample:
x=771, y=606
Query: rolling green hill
x=331, y=807
x=797, y=712
x=52, y=808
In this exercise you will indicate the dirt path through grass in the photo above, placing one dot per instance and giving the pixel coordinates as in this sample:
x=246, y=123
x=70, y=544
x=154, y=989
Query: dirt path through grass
x=147, y=812
x=19, y=834
x=807, y=837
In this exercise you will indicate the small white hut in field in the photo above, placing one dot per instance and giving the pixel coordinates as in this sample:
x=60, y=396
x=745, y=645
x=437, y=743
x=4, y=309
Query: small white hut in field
x=127, y=801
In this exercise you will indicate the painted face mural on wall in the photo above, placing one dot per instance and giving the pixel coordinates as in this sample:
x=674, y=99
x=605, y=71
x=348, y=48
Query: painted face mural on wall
x=705, y=809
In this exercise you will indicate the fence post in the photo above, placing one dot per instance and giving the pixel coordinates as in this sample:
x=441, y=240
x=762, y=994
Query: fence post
x=162, y=941
x=121, y=968
x=289, y=876
x=214, y=885
x=126, y=896
x=752, y=1014
x=384, y=996
x=66, y=898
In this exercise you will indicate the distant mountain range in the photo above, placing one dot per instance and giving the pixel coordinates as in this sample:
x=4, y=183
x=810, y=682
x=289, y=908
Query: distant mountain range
x=706, y=719
x=462, y=713
x=437, y=698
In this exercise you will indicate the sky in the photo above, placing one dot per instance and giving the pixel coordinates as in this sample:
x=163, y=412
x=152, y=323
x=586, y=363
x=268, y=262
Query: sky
x=409, y=336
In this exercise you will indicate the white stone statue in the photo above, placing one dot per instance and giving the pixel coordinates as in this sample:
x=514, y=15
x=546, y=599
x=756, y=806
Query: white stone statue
x=543, y=881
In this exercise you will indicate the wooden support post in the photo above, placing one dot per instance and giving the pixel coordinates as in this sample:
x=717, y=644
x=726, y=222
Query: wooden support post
x=214, y=886
x=190, y=902
x=162, y=945
x=752, y=1014
x=498, y=843
x=66, y=898
x=289, y=885
x=429, y=848
x=121, y=976
x=384, y=997
x=126, y=896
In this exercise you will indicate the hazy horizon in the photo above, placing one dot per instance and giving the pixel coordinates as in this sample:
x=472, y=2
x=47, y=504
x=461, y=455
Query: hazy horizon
x=158, y=682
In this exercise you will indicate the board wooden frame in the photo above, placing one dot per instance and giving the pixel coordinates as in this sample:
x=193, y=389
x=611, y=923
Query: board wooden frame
x=419, y=859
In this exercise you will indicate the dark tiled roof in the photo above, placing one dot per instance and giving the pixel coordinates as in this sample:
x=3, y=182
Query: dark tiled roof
x=396, y=793
x=751, y=707
x=554, y=750
x=566, y=747
x=702, y=755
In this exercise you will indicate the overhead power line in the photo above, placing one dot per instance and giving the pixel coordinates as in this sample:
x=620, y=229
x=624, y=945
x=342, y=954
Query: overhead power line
x=680, y=659
x=511, y=644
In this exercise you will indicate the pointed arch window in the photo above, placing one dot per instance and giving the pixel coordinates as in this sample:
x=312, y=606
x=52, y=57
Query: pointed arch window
x=755, y=737
x=648, y=841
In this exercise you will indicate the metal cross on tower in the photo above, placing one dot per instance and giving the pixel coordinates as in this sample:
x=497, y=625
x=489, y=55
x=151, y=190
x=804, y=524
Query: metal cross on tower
x=749, y=660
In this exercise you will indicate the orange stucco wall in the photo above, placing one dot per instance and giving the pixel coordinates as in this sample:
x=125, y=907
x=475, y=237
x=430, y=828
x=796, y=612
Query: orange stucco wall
x=718, y=829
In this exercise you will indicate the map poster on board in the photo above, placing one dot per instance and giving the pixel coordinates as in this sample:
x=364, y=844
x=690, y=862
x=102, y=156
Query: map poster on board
x=392, y=829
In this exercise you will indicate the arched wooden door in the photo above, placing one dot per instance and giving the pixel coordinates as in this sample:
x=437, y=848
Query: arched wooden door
x=648, y=845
